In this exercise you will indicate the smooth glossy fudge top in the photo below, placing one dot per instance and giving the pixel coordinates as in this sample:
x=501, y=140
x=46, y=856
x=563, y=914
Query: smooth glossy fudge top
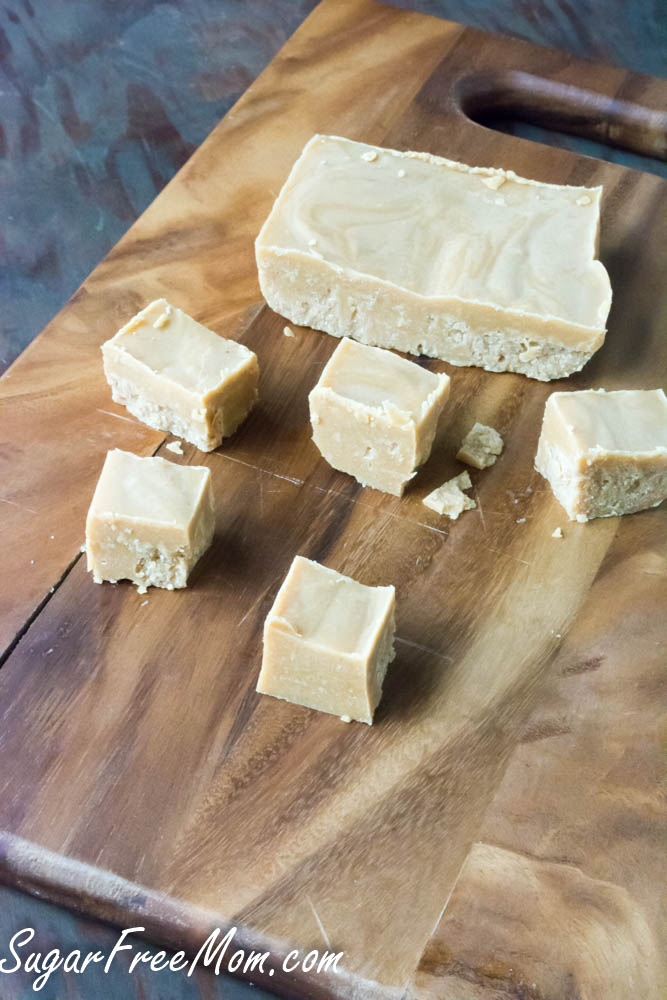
x=380, y=379
x=329, y=610
x=624, y=421
x=170, y=343
x=441, y=228
x=148, y=490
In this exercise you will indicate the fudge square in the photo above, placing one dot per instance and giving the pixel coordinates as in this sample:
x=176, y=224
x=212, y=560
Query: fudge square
x=605, y=453
x=176, y=375
x=374, y=414
x=149, y=521
x=328, y=641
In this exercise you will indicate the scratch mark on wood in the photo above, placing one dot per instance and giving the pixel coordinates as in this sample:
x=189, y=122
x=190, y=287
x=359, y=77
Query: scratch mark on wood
x=319, y=923
x=424, y=649
x=265, y=472
x=19, y=505
x=119, y=416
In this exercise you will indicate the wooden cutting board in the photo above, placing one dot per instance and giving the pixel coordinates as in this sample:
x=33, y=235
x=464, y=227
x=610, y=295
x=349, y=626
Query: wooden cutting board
x=497, y=832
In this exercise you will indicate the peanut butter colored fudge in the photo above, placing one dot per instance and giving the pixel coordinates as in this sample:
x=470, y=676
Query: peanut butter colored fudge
x=473, y=265
x=374, y=414
x=149, y=521
x=480, y=447
x=450, y=499
x=328, y=641
x=176, y=375
x=605, y=453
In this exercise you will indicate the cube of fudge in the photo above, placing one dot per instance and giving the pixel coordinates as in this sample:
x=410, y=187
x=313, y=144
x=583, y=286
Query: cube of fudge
x=327, y=642
x=480, y=447
x=472, y=265
x=449, y=498
x=605, y=453
x=374, y=414
x=174, y=374
x=149, y=521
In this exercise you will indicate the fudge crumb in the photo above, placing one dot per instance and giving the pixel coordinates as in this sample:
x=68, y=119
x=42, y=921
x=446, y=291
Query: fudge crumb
x=369, y=155
x=175, y=446
x=463, y=481
x=480, y=447
x=494, y=182
x=162, y=320
x=449, y=498
x=288, y=331
x=558, y=533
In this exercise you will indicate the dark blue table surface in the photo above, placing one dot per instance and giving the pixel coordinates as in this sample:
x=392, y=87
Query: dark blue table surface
x=101, y=102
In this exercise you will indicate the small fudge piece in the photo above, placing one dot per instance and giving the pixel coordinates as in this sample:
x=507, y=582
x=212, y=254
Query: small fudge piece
x=176, y=375
x=149, y=521
x=374, y=414
x=605, y=453
x=449, y=498
x=328, y=641
x=473, y=265
x=480, y=447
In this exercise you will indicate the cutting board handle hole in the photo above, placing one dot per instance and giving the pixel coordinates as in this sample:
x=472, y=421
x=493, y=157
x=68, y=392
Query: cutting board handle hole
x=501, y=98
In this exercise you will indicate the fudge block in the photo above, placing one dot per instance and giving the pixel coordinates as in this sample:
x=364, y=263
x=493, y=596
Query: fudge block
x=327, y=642
x=605, y=453
x=149, y=521
x=473, y=265
x=374, y=414
x=450, y=499
x=176, y=375
x=480, y=447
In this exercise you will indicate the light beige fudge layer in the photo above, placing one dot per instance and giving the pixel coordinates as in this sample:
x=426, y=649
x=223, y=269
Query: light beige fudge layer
x=176, y=375
x=374, y=415
x=328, y=641
x=473, y=265
x=450, y=499
x=149, y=521
x=605, y=453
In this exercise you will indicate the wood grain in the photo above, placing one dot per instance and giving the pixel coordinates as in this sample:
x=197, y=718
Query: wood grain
x=588, y=760
x=157, y=787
